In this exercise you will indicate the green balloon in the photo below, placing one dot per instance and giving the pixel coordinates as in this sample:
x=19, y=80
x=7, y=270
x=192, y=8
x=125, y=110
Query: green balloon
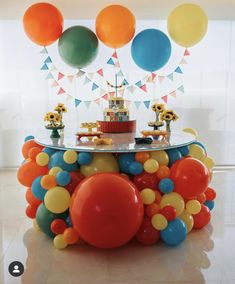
x=78, y=46
x=44, y=219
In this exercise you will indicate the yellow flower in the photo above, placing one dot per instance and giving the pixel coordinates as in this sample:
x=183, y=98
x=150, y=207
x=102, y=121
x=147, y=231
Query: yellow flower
x=64, y=109
x=169, y=115
x=158, y=107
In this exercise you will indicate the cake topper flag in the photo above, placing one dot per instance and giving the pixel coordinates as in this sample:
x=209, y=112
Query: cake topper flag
x=147, y=104
x=165, y=98
x=178, y=70
x=77, y=102
x=137, y=104
x=60, y=76
x=100, y=72
x=61, y=91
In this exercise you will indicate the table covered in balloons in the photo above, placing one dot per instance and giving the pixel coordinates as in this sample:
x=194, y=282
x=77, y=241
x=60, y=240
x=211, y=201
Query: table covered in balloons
x=108, y=195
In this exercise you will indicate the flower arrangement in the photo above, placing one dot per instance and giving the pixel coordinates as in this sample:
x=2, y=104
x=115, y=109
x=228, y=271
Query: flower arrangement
x=158, y=109
x=55, y=120
x=168, y=116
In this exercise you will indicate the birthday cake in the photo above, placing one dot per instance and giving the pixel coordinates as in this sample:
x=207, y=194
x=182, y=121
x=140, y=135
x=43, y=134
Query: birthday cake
x=116, y=118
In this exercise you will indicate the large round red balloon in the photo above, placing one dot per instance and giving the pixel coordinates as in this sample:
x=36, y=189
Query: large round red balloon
x=106, y=210
x=190, y=177
x=202, y=218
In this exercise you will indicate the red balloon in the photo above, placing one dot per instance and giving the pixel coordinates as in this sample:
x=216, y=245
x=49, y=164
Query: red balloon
x=146, y=234
x=202, y=218
x=31, y=199
x=146, y=180
x=210, y=194
x=169, y=212
x=58, y=226
x=106, y=210
x=190, y=177
x=76, y=178
x=29, y=171
x=31, y=211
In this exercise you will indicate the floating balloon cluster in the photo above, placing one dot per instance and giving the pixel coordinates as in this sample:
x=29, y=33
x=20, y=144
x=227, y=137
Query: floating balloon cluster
x=108, y=199
x=115, y=27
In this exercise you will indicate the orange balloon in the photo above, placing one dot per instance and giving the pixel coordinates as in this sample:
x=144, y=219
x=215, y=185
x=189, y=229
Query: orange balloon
x=163, y=172
x=152, y=209
x=31, y=199
x=71, y=236
x=29, y=171
x=27, y=146
x=142, y=157
x=33, y=152
x=48, y=181
x=43, y=23
x=115, y=26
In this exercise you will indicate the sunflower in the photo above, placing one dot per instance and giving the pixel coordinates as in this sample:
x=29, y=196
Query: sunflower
x=169, y=115
x=59, y=107
x=158, y=107
x=64, y=109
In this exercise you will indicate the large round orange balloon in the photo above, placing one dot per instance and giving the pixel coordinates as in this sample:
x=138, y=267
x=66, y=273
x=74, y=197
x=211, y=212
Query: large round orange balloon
x=190, y=177
x=28, y=145
x=29, y=171
x=106, y=210
x=43, y=23
x=115, y=26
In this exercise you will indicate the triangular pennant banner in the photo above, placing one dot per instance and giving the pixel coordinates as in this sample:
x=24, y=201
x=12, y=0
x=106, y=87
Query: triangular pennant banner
x=150, y=80
x=55, y=84
x=97, y=101
x=53, y=68
x=178, y=70
x=87, y=103
x=165, y=98
x=138, y=84
x=161, y=78
x=186, y=52
x=49, y=76
x=60, y=76
x=68, y=98
x=61, y=91
x=173, y=94
x=44, y=67
x=94, y=86
x=121, y=92
x=143, y=88
x=44, y=51
x=183, y=61
x=91, y=75
x=131, y=89
x=48, y=60
x=106, y=97
x=124, y=82
x=117, y=64
x=181, y=89
x=100, y=72
x=154, y=76
x=112, y=94
x=110, y=62
x=70, y=77
x=80, y=73
x=114, y=55
x=86, y=81
x=170, y=77
x=102, y=91
x=147, y=103
x=120, y=74
x=137, y=104
x=77, y=102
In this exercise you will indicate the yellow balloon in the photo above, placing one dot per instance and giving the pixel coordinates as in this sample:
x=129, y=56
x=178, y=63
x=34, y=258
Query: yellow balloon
x=35, y=225
x=160, y=156
x=188, y=220
x=175, y=200
x=59, y=242
x=208, y=162
x=70, y=156
x=148, y=196
x=196, y=151
x=57, y=199
x=101, y=162
x=54, y=171
x=159, y=222
x=151, y=166
x=191, y=131
x=42, y=159
x=193, y=207
x=187, y=24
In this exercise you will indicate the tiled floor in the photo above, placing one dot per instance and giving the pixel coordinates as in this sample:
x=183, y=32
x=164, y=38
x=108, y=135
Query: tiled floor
x=207, y=256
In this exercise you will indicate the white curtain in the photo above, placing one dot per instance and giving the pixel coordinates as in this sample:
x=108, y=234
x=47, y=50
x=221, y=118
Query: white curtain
x=206, y=105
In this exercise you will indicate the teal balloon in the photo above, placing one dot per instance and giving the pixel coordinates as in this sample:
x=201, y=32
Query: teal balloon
x=44, y=219
x=151, y=49
x=78, y=46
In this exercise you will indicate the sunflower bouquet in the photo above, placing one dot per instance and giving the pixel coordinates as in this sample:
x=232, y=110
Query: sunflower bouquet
x=168, y=116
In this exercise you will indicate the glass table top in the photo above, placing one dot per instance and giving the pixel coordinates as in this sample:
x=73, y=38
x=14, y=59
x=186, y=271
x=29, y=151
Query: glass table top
x=122, y=142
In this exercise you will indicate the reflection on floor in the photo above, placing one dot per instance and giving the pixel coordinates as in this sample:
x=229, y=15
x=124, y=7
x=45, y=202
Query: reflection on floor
x=207, y=256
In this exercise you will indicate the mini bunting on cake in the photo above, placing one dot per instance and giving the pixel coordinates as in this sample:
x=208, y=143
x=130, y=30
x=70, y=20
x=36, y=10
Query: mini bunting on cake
x=61, y=91
x=137, y=104
x=60, y=76
x=165, y=98
x=77, y=102
x=100, y=72
x=147, y=104
x=178, y=70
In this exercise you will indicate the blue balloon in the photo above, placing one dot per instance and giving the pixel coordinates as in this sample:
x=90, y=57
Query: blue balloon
x=151, y=49
x=136, y=168
x=49, y=151
x=125, y=161
x=37, y=190
x=175, y=233
x=68, y=221
x=63, y=178
x=84, y=158
x=184, y=150
x=29, y=137
x=210, y=204
x=174, y=155
x=166, y=185
x=57, y=160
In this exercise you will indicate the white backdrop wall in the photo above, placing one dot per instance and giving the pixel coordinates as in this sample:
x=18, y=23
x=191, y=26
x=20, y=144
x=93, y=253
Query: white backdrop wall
x=207, y=104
